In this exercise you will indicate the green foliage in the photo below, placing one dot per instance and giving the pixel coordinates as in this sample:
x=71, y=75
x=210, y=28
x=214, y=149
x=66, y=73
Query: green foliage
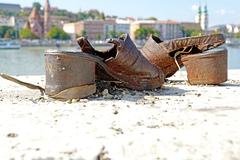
x=57, y=33
x=84, y=33
x=111, y=17
x=95, y=14
x=237, y=35
x=22, y=13
x=37, y=5
x=63, y=12
x=152, y=18
x=91, y=14
x=82, y=16
x=114, y=34
x=98, y=37
x=143, y=33
x=192, y=32
x=3, y=30
x=7, y=32
x=7, y=13
x=27, y=34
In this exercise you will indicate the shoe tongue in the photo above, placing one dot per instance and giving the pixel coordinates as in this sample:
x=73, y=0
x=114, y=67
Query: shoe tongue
x=120, y=41
x=80, y=41
x=113, y=41
x=156, y=39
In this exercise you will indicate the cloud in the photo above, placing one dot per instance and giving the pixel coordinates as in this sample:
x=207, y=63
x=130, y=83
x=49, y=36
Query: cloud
x=222, y=12
x=195, y=7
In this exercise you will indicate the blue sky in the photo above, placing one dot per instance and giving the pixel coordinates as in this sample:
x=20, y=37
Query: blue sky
x=220, y=11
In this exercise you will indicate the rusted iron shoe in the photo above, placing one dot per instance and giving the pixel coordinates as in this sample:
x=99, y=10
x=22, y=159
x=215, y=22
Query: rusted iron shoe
x=166, y=54
x=125, y=63
x=209, y=67
x=69, y=75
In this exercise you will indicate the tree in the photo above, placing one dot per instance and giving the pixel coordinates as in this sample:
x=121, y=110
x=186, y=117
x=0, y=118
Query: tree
x=84, y=33
x=120, y=34
x=27, y=34
x=37, y=5
x=81, y=15
x=152, y=18
x=10, y=34
x=114, y=34
x=7, y=13
x=192, y=32
x=98, y=37
x=7, y=32
x=7, y=35
x=57, y=33
x=22, y=13
x=3, y=30
x=237, y=35
x=143, y=33
x=102, y=16
x=94, y=14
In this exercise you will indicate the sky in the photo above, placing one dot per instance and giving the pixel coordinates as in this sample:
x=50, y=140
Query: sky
x=220, y=11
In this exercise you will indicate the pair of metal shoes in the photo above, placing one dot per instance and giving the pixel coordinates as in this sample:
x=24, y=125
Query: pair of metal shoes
x=146, y=68
x=71, y=75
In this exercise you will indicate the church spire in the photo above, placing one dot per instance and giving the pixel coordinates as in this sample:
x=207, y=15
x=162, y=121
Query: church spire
x=206, y=16
x=199, y=16
x=204, y=20
x=47, y=24
x=202, y=16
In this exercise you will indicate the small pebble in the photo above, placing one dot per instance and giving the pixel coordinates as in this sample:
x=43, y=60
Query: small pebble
x=12, y=135
x=105, y=92
x=75, y=100
x=69, y=101
x=115, y=112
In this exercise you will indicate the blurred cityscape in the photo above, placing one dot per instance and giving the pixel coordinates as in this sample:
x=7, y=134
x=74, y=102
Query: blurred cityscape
x=42, y=24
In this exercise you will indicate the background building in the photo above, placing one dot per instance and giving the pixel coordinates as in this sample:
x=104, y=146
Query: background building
x=202, y=17
x=189, y=27
x=168, y=29
x=46, y=23
x=123, y=25
x=37, y=24
x=15, y=8
x=229, y=30
x=108, y=26
x=142, y=24
x=7, y=21
x=94, y=29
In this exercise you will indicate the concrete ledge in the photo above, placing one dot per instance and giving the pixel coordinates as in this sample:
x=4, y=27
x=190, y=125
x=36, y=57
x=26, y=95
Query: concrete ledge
x=178, y=121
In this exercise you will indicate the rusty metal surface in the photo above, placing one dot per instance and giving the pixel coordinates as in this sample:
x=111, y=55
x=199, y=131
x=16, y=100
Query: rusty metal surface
x=209, y=67
x=66, y=70
x=126, y=64
x=161, y=53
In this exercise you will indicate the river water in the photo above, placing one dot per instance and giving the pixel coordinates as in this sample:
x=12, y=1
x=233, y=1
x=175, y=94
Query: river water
x=30, y=60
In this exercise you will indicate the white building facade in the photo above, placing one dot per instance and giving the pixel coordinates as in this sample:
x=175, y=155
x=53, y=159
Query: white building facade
x=122, y=26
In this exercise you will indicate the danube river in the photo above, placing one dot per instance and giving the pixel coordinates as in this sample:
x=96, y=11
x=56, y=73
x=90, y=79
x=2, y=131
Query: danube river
x=30, y=60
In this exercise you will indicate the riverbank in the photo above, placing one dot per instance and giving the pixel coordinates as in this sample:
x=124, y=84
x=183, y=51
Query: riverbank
x=178, y=121
x=58, y=43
